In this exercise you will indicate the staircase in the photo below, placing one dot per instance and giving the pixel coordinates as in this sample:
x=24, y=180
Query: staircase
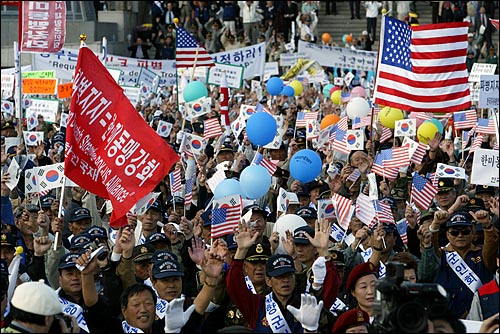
x=340, y=24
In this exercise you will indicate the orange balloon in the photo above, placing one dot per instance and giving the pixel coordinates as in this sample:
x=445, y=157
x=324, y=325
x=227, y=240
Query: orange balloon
x=326, y=37
x=348, y=39
x=328, y=120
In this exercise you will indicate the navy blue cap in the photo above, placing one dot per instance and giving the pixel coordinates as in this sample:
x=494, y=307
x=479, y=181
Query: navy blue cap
x=459, y=219
x=97, y=232
x=8, y=239
x=79, y=213
x=231, y=242
x=258, y=252
x=299, y=234
x=306, y=212
x=157, y=205
x=157, y=237
x=226, y=147
x=207, y=218
x=177, y=199
x=163, y=255
x=390, y=201
x=167, y=268
x=79, y=241
x=279, y=264
x=46, y=201
x=68, y=261
x=255, y=208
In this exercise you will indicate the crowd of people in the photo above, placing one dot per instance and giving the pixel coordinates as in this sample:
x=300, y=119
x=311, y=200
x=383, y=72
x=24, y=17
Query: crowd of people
x=63, y=268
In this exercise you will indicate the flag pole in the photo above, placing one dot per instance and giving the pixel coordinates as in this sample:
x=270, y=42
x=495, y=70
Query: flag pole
x=19, y=86
x=192, y=79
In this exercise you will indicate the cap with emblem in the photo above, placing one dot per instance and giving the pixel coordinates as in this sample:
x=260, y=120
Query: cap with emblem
x=231, y=243
x=8, y=239
x=445, y=184
x=459, y=219
x=337, y=257
x=279, y=264
x=162, y=255
x=307, y=212
x=258, y=252
x=299, y=235
x=143, y=252
x=46, y=201
x=198, y=127
x=207, y=218
x=79, y=241
x=352, y=318
x=68, y=261
x=157, y=205
x=177, y=199
x=255, y=209
x=389, y=201
x=475, y=204
x=97, y=232
x=36, y=298
x=226, y=147
x=283, y=173
x=167, y=268
x=427, y=215
x=325, y=191
x=485, y=190
x=361, y=270
x=79, y=213
x=157, y=237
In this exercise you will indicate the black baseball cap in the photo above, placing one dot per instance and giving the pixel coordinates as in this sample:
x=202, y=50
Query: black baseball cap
x=177, y=199
x=79, y=213
x=97, y=232
x=459, y=219
x=389, y=201
x=163, y=255
x=299, y=234
x=258, y=252
x=475, y=204
x=306, y=212
x=279, y=264
x=67, y=261
x=255, y=208
x=167, y=268
x=231, y=242
x=46, y=201
x=79, y=241
x=157, y=205
x=485, y=190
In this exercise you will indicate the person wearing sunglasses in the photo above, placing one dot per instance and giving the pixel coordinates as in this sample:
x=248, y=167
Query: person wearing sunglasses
x=461, y=267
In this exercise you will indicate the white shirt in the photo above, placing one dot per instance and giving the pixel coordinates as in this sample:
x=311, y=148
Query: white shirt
x=372, y=8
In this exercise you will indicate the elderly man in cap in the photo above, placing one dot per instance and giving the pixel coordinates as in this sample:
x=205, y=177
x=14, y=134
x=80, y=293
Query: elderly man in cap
x=34, y=308
x=461, y=267
x=258, y=222
x=79, y=221
x=309, y=214
x=270, y=313
x=148, y=222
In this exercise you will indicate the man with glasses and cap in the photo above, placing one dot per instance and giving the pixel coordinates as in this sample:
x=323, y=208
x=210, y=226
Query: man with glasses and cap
x=461, y=267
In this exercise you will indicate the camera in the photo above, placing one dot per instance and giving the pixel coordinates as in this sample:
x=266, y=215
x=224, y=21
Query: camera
x=404, y=307
x=102, y=252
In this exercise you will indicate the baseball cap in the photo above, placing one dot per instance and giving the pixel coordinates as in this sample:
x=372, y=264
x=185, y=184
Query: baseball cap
x=337, y=257
x=143, y=252
x=279, y=264
x=79, y=213
x=163, y=255
x=167, y=268
x=67, y=261
x=46, y=201
x=79, y=241
x=97, y=232
x=157, y=205
x=258, y=252
x=255, y=208
x=475, y=204
x=299, y=235
x=459, y=219
x=306, y=212
x=177, y=199
x=390, y=201
x=37, y=298
x=231, y=242
x=469, y=35
x=207, y=218
x=157, y=237
x=226, y=147
x=485, y=190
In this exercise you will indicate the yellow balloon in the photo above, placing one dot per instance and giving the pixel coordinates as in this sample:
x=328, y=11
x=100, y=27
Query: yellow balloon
x=426, y=131
x=388, y=116
x=297, y=87
x=336, y=97
x=19, y=250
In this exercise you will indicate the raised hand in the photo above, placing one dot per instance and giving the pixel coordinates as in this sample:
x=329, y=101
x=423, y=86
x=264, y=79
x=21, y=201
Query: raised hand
x=434, y=142
x=197, y=251
x=481, y=216
x=321, y=238
x=494, y=204
x=215, y=260
x=243, y=236
x=41, y=245
x=288, y=244
x=309, y=312
x=424, y=235
x=175, y=317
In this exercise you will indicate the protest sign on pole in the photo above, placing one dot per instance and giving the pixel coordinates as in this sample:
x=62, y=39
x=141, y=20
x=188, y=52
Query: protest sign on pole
x=485, y=167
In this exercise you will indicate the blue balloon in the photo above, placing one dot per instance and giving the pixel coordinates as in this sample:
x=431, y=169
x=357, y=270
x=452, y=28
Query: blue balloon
x=274, y=86
x=305, y=165
x=194, y=90
x=227, y=187
x=288, y=91
x=261, y=128
x=438, y=124
x=344, y=38
x=255, y=181
x=326, y=90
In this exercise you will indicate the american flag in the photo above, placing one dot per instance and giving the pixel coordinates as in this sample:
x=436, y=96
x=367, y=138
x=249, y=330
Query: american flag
x=269, y=165
x=342, y=208
x=342, y=123
x=386, y=134
x=175, y=181
x=433, y=178
x=419, y=154
x=478, y=141
x=467, y=136
x=424, y=116
x=418, y=72
x=384, y=212
x=395, y=157
x=365, y=211
x=465, y=119
x=354, y=176
x=485, y=125
x=377, y=168
x=224, y=101
x=360, y=122
x=212, y=128
x=188, y=192
x=402, y=226
x=188, y=51
x=422, y=191
x=225, y=215
x=339, y=143
x=302, y=118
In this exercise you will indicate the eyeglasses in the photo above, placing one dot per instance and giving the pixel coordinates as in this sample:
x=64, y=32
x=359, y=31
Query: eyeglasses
x=455, y=233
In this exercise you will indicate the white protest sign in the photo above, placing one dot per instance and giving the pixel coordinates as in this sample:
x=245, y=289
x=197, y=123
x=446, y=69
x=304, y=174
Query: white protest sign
x=485, y=167
x=150, y=79
x=479, y=69
x=7, y=85
x=488, y=91
x=46, y=108
x=252, y=58
x=289, y=59
x=270, y=69
x=234, y=75
x=132, y=93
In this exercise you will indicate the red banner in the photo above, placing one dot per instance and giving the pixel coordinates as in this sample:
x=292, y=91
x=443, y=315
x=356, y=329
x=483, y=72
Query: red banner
x=43, y=26
x=110, y=150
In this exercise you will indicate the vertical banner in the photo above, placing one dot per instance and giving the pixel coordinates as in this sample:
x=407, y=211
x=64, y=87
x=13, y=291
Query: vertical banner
x=43, y=26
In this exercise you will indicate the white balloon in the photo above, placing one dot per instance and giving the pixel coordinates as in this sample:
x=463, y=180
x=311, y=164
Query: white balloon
x=287, y=222
x=357, y=107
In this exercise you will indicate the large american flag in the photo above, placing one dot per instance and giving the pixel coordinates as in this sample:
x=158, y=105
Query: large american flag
x=302, y=118
x=465, y=119
x=395, y=157
x=225, y=215
x=485, y=125
x=212, y=128
x=422, y=191
x=188, y=51
x=422, y=68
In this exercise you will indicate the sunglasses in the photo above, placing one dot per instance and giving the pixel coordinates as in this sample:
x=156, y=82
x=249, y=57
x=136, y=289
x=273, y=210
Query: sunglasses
x=455, y=233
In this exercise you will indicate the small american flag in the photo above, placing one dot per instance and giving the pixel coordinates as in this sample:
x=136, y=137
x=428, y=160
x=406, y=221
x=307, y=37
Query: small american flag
x=360, y=122
x=339, y=143
x=423, y=116
x=402, y=226
x=478, y=141
x=384, y=212
x=354, y=176
x=342, y=124
x=422, y=191
x=225, y=215
x=269, y=165
x=188, y=51
x=342, y=208
x=465, y=119
x=188, y=192
x=386, y=134
x=485, y=125
x=302, y=118
x=395, y=157
x=365, y=211
x=467, y=135
x=419, y=154
x=175, y=181
x=212, y=128
x=377, y=168
x=433, y=178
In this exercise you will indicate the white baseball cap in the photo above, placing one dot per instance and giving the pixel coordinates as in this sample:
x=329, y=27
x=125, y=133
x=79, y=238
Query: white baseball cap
x=37, y=298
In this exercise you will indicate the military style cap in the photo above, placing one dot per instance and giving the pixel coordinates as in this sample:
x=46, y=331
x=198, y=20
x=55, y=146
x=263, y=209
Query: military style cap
x=258, y=252
x=143, y=252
